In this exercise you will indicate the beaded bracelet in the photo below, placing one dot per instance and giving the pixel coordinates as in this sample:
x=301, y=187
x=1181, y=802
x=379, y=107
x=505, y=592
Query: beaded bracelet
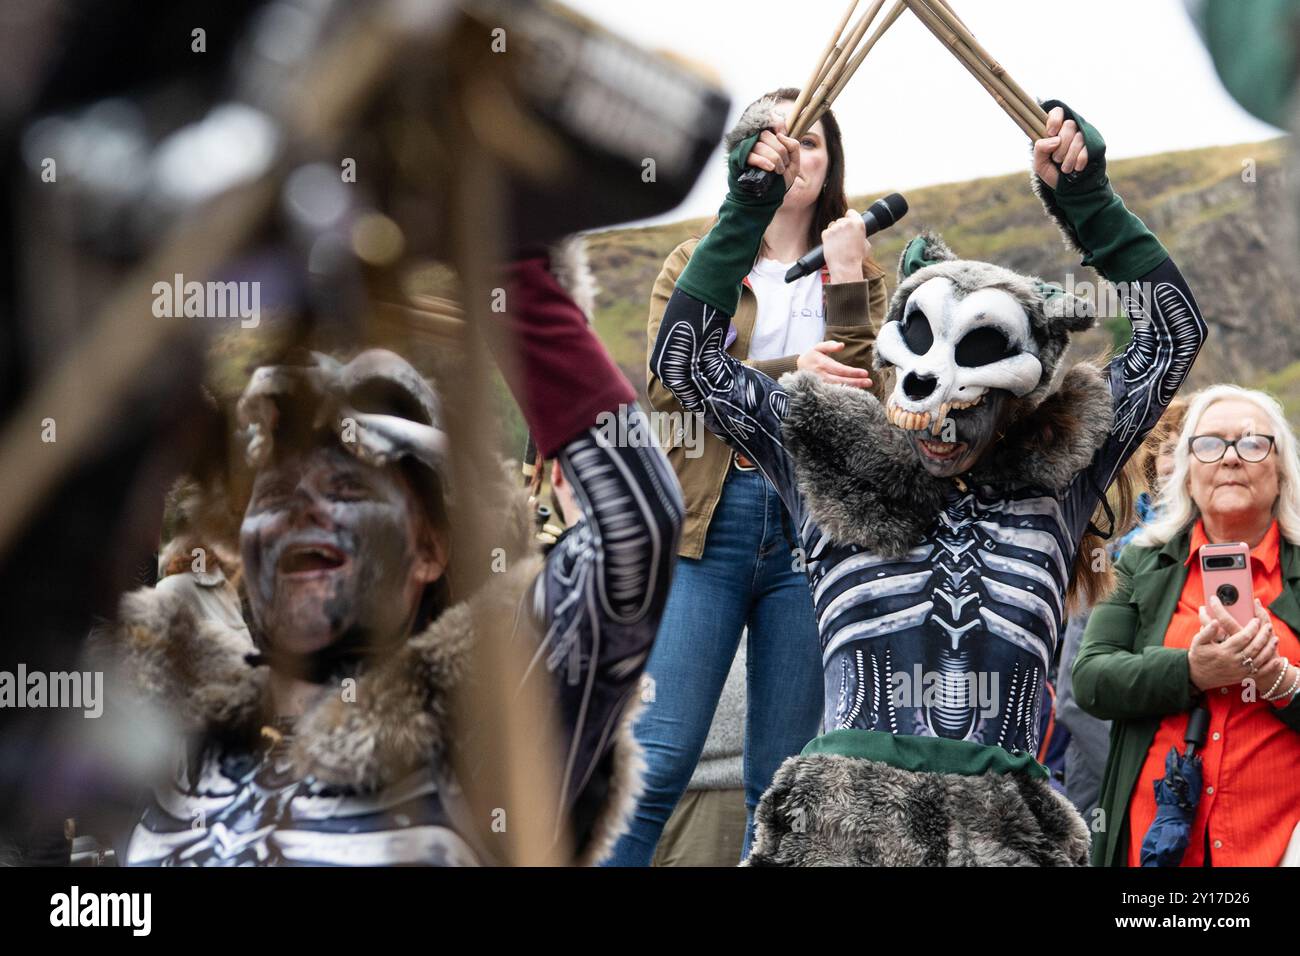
x=1295, y=685
x=1286, y=667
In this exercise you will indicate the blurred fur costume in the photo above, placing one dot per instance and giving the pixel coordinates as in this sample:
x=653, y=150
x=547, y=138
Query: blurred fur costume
x=379, y=758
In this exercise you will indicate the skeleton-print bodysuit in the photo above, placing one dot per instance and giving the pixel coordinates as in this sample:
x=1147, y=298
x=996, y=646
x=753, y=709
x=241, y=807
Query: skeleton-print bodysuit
x=954, y=638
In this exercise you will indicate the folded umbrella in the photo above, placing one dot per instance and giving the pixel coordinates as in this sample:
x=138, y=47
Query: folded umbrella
x=1177, y=794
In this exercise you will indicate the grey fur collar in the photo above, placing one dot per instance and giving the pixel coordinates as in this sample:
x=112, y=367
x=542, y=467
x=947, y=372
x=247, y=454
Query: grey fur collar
x=832, y=810
x=863, y=483
x=572, y=269
x=400, y=717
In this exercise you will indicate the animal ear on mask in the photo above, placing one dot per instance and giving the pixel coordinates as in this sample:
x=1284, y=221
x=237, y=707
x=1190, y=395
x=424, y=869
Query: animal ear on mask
x=1065, y=309
x=925, y=250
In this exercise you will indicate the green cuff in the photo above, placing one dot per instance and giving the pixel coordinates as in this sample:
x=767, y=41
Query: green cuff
x=1114, y=241
x=726, y=253
x=927, y=754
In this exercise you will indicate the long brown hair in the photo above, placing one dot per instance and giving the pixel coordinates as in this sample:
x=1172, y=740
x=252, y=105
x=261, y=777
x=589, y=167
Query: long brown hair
x=1094, y=575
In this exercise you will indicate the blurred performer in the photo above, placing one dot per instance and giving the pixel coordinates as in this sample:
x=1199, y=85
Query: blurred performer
x=178, y=143
x=947, y=529
x=331, y=746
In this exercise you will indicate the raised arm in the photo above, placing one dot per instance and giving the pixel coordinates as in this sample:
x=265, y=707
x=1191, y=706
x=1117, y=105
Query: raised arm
x=599, y=598
x=739, y=404
x=1168, y=330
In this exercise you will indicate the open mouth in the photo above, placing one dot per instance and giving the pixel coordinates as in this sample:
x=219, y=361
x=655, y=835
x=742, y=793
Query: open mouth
x=920, y=421
x=941, y=451
x=310, y=559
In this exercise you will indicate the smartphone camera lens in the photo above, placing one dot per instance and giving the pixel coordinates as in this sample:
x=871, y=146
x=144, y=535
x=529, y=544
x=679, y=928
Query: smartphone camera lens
x=1228, y=594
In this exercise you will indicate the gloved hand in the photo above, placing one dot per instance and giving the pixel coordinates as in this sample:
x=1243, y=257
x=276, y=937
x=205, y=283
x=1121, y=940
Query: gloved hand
x=1071, y=181
x=726, y=253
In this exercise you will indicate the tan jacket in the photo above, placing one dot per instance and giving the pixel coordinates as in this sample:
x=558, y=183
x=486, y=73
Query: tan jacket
x=853, y=311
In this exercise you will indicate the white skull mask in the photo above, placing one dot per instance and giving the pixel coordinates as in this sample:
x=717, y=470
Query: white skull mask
x=950, y=349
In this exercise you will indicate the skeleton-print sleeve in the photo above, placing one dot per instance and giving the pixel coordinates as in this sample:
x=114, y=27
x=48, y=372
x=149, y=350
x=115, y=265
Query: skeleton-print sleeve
x=601, y=594
x=1168, y=331
x=740, y=404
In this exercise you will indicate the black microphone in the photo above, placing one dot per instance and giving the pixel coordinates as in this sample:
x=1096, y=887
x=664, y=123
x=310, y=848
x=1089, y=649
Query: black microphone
x=882, y=214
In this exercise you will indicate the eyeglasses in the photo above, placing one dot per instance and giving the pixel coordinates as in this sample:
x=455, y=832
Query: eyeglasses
x=1252, y=448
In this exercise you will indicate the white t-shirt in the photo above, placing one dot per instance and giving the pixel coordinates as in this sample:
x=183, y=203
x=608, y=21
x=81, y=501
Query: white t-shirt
x=791, y=318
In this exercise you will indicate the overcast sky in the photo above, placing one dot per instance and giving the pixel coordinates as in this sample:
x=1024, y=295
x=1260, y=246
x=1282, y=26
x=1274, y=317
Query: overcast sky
x=912, y=116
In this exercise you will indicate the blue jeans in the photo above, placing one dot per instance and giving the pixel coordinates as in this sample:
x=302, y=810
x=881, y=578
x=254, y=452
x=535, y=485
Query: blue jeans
x=744, y=578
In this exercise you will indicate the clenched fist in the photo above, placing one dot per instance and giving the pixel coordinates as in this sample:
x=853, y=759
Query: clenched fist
x=845, y=243
x=1062, y=151
x=776, y=153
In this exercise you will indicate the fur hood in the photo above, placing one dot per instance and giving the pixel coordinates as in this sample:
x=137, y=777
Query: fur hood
x=864, y=484
x=203, y=674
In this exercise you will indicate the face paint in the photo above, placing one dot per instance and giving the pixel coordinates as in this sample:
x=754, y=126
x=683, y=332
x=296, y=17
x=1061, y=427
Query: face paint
x=331, y=553
x=963, y=440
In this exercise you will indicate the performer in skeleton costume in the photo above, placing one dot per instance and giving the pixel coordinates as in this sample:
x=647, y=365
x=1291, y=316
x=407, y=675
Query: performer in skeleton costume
x=941, y=529
x=346, y=570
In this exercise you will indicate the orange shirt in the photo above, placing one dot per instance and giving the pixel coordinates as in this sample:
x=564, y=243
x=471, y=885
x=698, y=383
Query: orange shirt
x=1250, y=788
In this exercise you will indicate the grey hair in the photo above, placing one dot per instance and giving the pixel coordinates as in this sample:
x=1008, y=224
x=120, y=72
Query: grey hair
x=1179, y=511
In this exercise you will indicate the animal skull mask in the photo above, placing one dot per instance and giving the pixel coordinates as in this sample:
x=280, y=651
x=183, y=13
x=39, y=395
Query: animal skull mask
x=967, y=338
x=950, y=349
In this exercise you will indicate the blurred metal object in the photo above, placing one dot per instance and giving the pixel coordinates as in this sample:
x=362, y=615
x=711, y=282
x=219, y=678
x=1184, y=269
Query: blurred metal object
x=233, y=166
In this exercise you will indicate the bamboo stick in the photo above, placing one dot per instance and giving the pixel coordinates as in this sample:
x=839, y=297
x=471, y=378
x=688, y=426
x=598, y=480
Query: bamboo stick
x=945, y=13
x=894, y=13
x=1030, y=131
x=817, y=102
x=823, y=64
x=948, y=6
x=1016, y=108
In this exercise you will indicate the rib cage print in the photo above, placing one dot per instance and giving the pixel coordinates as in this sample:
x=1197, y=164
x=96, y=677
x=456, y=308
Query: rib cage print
x=979, y=600
x=955, y=637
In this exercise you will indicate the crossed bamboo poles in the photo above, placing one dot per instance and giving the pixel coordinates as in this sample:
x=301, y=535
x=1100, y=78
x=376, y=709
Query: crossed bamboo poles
x=846, y=51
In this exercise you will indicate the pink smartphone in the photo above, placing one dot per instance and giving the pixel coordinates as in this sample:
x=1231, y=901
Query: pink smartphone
x=1225, y=574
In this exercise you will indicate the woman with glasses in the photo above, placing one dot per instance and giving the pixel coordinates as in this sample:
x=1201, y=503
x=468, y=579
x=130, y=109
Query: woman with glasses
x=1155, y=648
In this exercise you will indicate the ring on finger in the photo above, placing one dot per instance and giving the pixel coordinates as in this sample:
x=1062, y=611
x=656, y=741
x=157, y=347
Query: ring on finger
x=1248, y=664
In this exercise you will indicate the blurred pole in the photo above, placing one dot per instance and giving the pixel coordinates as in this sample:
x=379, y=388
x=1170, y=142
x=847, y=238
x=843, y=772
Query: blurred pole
x=518, y=759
